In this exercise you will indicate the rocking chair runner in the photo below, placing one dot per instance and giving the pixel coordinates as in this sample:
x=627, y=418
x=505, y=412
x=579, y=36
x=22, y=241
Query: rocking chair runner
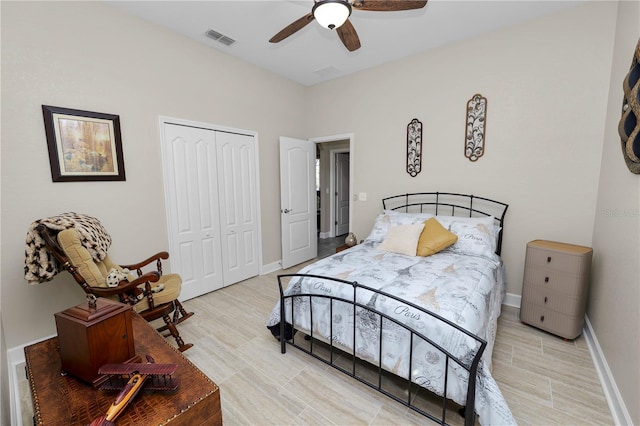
x=66, y=247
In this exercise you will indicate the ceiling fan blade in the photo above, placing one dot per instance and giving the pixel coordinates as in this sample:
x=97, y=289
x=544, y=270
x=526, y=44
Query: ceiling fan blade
x=387, y=5
x=292, y=28
x=349, y=37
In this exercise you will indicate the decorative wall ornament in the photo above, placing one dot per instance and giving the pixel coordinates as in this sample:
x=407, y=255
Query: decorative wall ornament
x=476, y=117
x=629, y=127
x=414, y=147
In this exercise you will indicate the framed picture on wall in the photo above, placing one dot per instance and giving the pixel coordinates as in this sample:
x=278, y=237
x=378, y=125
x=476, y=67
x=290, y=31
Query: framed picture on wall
x=83, y=145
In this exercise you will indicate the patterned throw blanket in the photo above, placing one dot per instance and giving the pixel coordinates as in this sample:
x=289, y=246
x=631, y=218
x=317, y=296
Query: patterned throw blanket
x=40, y=265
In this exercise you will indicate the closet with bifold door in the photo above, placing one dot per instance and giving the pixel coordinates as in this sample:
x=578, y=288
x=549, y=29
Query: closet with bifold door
x=211, y=196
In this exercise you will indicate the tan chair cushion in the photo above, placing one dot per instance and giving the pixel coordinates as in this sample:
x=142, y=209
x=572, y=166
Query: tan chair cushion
x=95, y=273
x=172, y=285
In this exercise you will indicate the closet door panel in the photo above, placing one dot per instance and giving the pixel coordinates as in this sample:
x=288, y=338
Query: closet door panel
x=238, y=201
x=192, y=208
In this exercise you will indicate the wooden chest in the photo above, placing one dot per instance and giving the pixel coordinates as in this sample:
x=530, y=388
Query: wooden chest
x=65, y=401
x=90, y=337
x=555, y=287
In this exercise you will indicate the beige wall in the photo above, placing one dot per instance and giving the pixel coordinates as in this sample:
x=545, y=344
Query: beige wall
x=90, y=56
x=614, y=303
x=547, y=84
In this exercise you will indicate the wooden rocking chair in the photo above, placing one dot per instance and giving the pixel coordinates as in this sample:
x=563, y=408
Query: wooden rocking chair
x=151, y=294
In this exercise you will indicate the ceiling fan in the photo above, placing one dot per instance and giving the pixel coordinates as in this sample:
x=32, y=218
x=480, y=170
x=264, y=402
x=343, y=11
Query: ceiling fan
x=334, y=14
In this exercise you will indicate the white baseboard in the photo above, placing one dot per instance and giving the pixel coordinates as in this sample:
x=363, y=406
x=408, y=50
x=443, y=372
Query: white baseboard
x=15, y=359
x=619, y=410
x=324, y=235
x=271, y=267
x=513, y=300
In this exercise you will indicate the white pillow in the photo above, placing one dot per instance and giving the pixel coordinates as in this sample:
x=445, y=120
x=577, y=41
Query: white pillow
x=380, y=228
x=474, y=239
x=408, y=217
x=393, y=218
x=488, y=222
x=402, y=239
x=446, y=221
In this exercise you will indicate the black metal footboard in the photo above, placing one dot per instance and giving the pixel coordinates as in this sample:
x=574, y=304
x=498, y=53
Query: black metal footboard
x=331, y=353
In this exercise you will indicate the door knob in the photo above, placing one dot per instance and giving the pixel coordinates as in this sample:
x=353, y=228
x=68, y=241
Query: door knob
x=286, y=211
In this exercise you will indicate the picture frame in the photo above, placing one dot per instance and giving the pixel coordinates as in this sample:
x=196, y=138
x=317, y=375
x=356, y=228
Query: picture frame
x=83, y=145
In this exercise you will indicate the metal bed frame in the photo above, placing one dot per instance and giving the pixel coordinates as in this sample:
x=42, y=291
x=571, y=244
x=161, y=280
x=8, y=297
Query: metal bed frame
x=440, y=203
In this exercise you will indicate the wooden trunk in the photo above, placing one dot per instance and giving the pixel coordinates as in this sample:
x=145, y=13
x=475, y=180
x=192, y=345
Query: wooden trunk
x=65, y=401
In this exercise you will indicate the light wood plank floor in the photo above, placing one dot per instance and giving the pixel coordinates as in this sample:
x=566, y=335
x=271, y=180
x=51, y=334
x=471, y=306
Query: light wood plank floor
x=545, y=380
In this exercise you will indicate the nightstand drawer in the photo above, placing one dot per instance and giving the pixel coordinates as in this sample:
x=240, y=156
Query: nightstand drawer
x=553, y=300
x=562, y=325
x=568, y=263
x=554, y=280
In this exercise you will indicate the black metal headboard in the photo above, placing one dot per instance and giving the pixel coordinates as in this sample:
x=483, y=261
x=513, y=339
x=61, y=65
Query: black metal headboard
x=447, y=203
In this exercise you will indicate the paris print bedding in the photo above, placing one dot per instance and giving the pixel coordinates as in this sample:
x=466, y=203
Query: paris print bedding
x=465, y=289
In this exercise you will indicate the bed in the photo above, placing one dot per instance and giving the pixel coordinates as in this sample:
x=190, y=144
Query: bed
x=403, y=322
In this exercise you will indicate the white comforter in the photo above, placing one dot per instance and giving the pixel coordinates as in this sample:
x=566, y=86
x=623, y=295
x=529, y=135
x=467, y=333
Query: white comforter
x=467, y=290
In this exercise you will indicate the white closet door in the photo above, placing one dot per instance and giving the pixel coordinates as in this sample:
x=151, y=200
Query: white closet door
x=238, y=206
x=192, y=208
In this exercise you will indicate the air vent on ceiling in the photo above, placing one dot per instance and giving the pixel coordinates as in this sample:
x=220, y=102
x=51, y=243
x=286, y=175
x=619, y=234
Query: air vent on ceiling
x=227, y=41
x=326, y=71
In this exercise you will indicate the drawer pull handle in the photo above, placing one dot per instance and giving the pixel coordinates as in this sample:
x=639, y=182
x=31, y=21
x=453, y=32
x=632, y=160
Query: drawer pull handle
x=549, y=259
x=545, y=299
x=542, y=318
x=546, y=279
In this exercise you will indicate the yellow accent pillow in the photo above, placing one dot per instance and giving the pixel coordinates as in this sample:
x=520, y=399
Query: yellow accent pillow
x=434, y=238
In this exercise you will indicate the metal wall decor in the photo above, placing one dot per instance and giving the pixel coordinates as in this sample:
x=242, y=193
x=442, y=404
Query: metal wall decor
x=414, y=147
x=629, y=127
x=476, y=118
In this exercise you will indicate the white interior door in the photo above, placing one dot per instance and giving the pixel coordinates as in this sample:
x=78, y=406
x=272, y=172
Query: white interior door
x=238, y=206
x=192, y=208
x=342, y=193
x=298, y=205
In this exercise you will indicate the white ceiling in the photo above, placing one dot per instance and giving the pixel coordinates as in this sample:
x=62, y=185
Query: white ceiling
x=315, y=54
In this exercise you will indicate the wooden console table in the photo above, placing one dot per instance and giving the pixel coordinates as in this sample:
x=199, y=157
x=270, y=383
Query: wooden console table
x=64, y=400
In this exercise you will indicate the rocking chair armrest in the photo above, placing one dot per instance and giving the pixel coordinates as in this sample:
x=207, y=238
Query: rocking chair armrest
x=155, y=257
x=152, y=277
x=125, y=285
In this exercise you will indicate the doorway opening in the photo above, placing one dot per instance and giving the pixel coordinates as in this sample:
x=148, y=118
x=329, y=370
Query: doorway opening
x=333, y=192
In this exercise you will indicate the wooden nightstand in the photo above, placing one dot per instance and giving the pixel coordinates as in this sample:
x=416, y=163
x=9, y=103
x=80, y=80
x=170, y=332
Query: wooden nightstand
x=555, y=287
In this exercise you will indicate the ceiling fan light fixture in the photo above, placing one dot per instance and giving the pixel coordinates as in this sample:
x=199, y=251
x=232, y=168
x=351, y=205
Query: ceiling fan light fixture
x=331, y=13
